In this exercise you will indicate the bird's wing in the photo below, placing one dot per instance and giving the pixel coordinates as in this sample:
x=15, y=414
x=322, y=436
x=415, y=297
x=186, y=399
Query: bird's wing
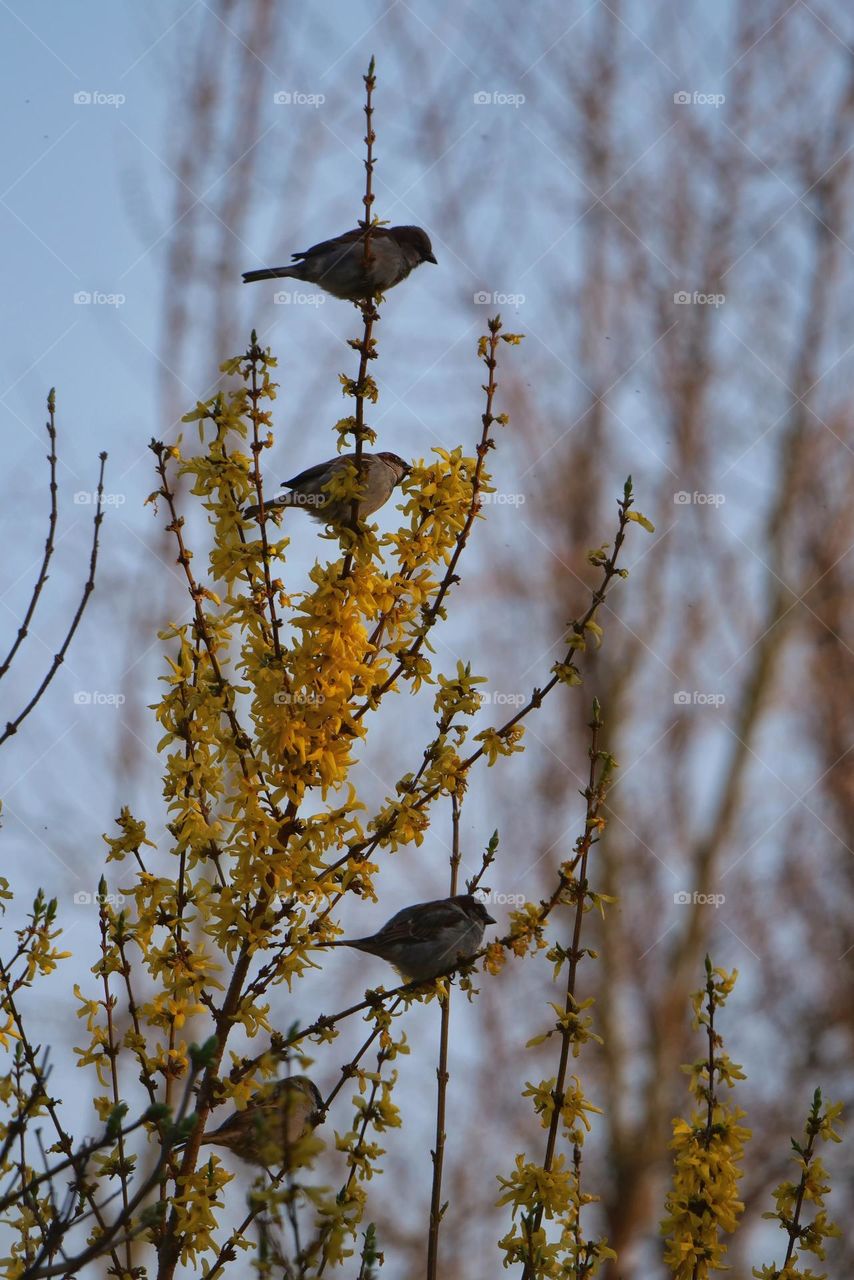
x=421, y=923
x=312, y=473
x=328, y=246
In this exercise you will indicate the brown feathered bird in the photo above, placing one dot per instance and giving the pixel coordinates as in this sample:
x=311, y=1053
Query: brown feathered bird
x=343, y=268
x=267, y=1130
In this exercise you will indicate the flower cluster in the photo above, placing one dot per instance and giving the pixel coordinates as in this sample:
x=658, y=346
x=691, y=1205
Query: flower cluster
x=703, y=1202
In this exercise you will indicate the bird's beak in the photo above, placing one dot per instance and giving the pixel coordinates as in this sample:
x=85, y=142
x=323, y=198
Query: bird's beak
x=431, y=258
x=489, y=920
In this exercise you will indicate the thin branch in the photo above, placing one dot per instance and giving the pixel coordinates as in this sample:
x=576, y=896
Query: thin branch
x=254, y=394
x=370, y=315
x=49, y=542
x=367, y=1116
x=437, y=1209
x=112, y=1051
x=89, y=586
x=595, y=792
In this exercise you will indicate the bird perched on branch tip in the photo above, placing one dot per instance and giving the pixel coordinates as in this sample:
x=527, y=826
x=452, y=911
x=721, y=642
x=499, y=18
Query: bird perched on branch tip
x=343, y=267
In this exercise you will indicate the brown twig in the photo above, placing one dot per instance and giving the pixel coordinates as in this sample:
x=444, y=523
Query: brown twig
x=437, y=1209
x=89, y=586
x=367, y=1116
x=254, y=394
x=49, y=541
x=595, y=792
x=111, y=1049
x=119, y=940
x=793, y=1227
x=348, y=1070
x=370, y=315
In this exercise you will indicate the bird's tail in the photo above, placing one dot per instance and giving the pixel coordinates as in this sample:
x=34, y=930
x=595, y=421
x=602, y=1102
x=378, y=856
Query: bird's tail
x=270, y=508
x=269, y=273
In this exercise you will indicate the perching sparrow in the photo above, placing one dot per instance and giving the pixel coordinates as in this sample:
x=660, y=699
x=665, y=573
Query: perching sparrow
x=380, y=473
x=271, y=1123
x=339, y=265
x=424, y=940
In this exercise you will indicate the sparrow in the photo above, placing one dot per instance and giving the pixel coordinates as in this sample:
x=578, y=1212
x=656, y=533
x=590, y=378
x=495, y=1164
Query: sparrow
x=380, y=473
x=267, y=1129
x=341, y=268
x=428, y=938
